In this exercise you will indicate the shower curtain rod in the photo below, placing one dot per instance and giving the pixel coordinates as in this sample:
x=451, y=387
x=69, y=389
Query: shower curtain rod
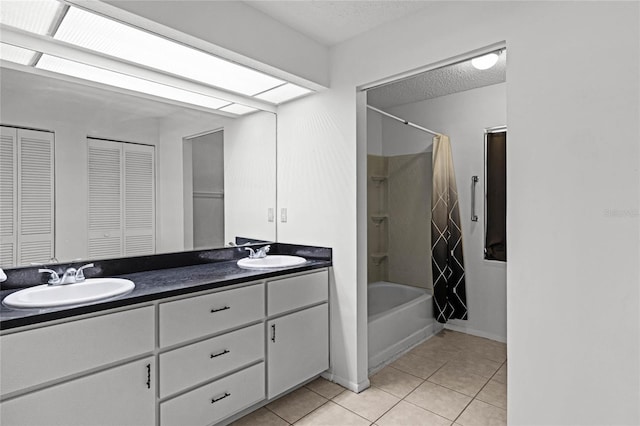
x=408, y=123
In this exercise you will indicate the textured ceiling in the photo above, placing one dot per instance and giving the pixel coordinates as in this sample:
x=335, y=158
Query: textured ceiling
x=439, y=82
x=332, y=22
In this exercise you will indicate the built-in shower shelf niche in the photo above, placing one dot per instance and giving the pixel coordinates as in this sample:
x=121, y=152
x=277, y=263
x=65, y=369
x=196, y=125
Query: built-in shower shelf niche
x=378, y=179
x=377, y=258
x=379, y=218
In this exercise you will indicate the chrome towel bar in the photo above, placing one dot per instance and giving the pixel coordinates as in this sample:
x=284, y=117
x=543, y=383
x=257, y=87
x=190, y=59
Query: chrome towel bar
x=474, y=181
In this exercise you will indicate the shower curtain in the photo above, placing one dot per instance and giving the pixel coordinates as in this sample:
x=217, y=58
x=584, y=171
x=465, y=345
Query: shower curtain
x=447, y=263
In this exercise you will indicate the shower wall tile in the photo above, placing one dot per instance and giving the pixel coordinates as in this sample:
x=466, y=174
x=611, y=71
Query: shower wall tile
x=409, y=198
x=377, y=234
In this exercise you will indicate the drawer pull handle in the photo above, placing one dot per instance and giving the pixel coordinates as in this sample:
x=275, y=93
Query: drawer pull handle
x=220, y=309
x=148, y=376
x=226, y=351
x=273, y=333
x=226, y=394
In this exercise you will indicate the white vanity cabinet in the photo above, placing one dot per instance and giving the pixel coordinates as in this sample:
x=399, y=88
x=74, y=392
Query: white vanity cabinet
x=195, y=359
x=222, y=374
x=123, y=395
x=81, y=372
x=298, y=330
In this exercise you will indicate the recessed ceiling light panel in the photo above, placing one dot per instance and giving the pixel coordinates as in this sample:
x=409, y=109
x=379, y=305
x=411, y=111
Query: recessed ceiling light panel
x=35, y=16
x=238, y=109
x=111, y=78
x=283, y=93
x=16, y=54
x=110, y=37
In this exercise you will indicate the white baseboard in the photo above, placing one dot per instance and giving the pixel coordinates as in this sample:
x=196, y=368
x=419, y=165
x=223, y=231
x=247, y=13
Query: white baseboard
x=475, y=332
x=352, y=386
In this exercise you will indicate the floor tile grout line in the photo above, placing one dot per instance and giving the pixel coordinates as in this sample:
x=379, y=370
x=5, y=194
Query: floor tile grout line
x=378, y=418
x=277, y=415
x=433, y=412
x=309, y=413
x=330, y=399
x=476, y=396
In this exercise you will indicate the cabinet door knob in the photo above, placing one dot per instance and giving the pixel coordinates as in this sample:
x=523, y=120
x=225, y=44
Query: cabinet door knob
x=226, y=394
x=220, y=309
x=226, y=351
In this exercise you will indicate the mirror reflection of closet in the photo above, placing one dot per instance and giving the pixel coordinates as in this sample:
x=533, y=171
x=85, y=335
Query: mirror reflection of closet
x=207, y=177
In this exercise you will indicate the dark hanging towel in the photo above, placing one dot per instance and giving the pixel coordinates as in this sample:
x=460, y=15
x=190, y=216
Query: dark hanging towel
x=496, y=235
x=449, y=294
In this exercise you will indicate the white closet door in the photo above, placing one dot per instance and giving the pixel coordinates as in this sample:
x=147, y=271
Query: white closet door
x=139, y=200
x=35, y=196
x=8, y=196
x=104, y=165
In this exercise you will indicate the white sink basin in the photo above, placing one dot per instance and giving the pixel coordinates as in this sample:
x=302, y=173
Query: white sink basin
x=272, y=261
x=47, y=296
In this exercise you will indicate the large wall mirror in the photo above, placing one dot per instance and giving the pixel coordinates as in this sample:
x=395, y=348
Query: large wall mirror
x=131, y=175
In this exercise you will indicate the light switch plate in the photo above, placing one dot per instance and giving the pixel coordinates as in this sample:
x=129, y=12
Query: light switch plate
x=283, y=215
x=270, y=214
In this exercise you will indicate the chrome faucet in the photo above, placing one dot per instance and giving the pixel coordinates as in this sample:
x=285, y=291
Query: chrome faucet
x=80, y=272
x=70, y=276
x=54, y=279
x=258, y=254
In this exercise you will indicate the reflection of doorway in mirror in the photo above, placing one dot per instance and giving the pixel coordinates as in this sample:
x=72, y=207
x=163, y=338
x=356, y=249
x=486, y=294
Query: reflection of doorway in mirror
x=208, y=190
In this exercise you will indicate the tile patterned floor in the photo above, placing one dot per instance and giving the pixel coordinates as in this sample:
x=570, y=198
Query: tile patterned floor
x=451, y=379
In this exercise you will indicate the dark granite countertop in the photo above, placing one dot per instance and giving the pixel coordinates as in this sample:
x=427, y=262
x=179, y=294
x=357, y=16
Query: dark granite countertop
x=158, y=284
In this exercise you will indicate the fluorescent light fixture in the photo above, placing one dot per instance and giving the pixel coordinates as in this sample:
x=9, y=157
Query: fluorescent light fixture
x=16, y=54
x=283, y=93
x=485, y=62
x=36, y=16
x=111, y=78
x=238, y=109
x=114, y=38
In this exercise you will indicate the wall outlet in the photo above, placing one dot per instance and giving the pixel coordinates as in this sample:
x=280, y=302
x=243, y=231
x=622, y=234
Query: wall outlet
x=283, y=215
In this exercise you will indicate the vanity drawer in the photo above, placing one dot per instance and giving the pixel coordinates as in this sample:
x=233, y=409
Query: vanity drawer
x=187, y=319
x=296, y=292
x=43, y=354
x=215, y=401
x=199, y=362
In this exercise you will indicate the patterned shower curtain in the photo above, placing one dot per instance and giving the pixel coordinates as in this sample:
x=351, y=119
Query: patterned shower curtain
x=447, y=263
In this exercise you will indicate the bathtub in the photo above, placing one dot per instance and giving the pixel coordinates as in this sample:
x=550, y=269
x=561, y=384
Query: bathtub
x=400, y=317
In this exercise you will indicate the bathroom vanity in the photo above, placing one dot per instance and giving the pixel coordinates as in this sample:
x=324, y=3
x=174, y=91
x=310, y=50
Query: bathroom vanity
x=203, y=356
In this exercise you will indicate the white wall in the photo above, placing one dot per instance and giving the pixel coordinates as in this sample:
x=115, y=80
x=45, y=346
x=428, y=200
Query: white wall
x=316, y=183
x=250, y=177
x=463, y=117
x=374, y=133
x=573, y=299
x=208, y=179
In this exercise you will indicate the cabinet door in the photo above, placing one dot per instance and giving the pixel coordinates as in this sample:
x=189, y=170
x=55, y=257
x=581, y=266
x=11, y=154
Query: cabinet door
x=35, y=196
x=26, y=196
x=104, y=165
x=297, y=347
x=139, y=200
x=8, y=197
x=122, y=395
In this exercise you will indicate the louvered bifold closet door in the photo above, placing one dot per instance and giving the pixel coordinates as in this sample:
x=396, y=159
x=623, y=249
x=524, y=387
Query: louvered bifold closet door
x=104, y=165
x=8, y=197
x=139, y=200
x=35, y=197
